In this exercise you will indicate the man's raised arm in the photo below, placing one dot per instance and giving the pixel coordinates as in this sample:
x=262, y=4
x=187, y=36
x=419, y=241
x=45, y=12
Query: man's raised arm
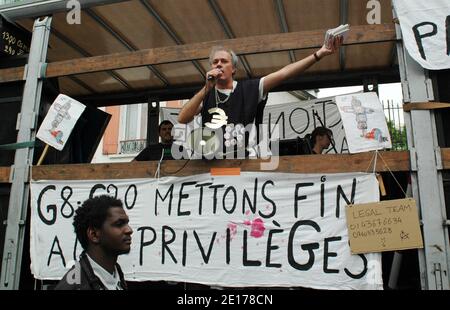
x=276, y=78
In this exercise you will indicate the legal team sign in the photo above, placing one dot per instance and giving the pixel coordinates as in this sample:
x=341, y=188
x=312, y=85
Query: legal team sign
x=269, y=229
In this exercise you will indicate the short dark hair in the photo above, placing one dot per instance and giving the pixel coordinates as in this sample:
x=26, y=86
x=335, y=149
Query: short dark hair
x=320, y=131
x=93, y=213
x=166, y=122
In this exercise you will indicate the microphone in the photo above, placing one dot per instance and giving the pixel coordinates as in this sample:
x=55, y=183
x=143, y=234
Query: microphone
x=212, y=77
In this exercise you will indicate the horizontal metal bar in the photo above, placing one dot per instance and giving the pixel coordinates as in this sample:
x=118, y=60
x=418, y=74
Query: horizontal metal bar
x=26, y=9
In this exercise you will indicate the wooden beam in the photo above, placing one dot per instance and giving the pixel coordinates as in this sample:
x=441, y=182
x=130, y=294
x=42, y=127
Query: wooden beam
x=445, y=155
x=188, y=52
x=4, y=174
x=12, y=74
x=397, y=161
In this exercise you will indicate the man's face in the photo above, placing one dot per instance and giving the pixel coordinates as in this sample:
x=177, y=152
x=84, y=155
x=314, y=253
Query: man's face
x=115, y=234
x=324, y=141
x=222, y=61
x=165, y=132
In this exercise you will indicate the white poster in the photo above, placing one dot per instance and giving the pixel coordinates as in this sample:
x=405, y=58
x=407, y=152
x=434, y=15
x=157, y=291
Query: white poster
x=60, y=120
x=270, y=229
x=295, y=119
x=364, y=122
x=425, y=28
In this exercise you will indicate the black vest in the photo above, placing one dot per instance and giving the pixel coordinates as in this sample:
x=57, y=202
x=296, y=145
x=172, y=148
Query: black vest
x=241, y=108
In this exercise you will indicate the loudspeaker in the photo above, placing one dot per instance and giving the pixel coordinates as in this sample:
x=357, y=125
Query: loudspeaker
x=83, y=141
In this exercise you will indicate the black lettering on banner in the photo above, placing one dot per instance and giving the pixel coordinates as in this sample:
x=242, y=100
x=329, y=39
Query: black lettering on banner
x=310, y=247
x=184, y=196
x=419, y=36
x=215, y=187
x=132, y=186
x=50, y=208
x=246, y=198
x=274, y=206
x=363, y=272
x=200, y=246
x=234, y=199
x=146, y=243
x=271, y=247
x=165, y=242
x=327, y=254
x=95, y=188
x=170, y=190
x=58, y=252
x=344, y=143
x=340, y=193
x=66, y=201
x=322, y=196
x=297, y=198
x=115, y=190
x=183, y=259
x=281, y=116
x=75, y=249
x=200, y=202
x=307, y=121
x=245, y=260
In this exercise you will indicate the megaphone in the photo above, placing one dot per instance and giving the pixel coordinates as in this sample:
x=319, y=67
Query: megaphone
x=203, y=142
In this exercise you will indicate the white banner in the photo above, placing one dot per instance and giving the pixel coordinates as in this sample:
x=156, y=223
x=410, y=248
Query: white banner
x=60, y=120
x=425, y=28
x=270, y=229
x=296, y=119
x=364, y=122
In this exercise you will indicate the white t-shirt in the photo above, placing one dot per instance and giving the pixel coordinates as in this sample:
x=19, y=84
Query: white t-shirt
x=110, y=281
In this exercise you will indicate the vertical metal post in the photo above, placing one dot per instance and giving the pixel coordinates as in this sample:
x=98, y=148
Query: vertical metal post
x=26, y=125
x=426, y=178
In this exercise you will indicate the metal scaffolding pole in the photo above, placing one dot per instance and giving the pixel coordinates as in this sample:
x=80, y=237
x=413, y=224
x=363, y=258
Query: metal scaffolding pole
x=20, y=171
x=426, y=166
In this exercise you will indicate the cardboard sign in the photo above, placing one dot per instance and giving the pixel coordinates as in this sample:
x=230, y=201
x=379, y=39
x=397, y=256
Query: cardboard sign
x=60, y=120
x=364, y=122
x=383, y=226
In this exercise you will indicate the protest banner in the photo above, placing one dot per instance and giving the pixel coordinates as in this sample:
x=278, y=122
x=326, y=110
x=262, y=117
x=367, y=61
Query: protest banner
x=256, y=229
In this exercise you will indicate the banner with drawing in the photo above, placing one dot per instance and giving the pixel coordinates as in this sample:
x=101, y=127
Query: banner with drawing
x=258, y=229
x=60, y=120
x=364, y=122
x=295, y=119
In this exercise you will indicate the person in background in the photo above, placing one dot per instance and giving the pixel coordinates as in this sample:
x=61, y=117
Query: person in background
x=321, y=138
x=163, y=148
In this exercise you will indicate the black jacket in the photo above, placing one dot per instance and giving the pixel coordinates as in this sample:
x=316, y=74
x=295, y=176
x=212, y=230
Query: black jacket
x=87, y=280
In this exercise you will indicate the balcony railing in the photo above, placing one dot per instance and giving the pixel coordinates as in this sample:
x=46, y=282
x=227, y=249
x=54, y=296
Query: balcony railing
x=132, y=146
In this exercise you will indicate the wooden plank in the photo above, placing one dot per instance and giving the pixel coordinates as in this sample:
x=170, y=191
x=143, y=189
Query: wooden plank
x=4, y=174
x=397, y=161
x=11, y=74
x=445, y=155
x=195, y=51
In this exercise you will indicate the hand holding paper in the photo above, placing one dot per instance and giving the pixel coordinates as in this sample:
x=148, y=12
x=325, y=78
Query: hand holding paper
x=331, y=34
